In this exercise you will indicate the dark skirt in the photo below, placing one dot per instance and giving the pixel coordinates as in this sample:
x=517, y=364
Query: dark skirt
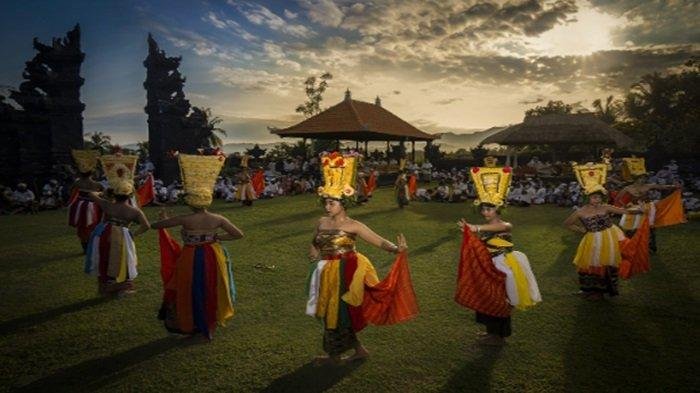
x=498, y=326
x=338, y=341
x=594, y=283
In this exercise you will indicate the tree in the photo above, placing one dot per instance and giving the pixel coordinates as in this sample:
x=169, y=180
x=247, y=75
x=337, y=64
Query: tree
x=207, y=127
x=142, y=150
x=99, y=141
x=611, y=112
x=321, y=145
x=664, y=111
x=478, y=153
x=314, y=94
x=552, y=107
x=432, y=152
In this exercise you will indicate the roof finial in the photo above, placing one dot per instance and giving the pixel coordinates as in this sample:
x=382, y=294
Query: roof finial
x=378, y=101
x=348, y=97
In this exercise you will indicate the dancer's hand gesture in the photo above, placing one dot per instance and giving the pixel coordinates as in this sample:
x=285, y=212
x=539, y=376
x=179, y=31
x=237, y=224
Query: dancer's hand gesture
x=401, y=243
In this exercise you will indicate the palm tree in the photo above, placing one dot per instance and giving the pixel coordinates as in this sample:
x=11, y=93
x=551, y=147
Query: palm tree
x=98, y=140
x=610, y=113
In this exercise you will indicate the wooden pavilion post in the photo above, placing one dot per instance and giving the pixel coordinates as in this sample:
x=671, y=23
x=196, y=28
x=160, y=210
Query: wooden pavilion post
x=413, y=151
x=366, y=152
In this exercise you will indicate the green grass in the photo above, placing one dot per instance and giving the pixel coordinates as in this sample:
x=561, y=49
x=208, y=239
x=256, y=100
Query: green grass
x=55, y=334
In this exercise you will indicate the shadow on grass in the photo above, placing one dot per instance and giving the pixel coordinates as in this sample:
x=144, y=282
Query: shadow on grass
x=95, y=374
x=475, y=375
x=430, y=247
x=563, y=265
x=14, y=325
x=309, y=378
x=607, y=352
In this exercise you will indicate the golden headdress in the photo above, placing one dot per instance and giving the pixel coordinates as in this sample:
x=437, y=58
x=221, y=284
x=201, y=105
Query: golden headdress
x=633, y=167
x=119, y=170
x=86, y=160
x=491, y=184
x=338, y=175
x=591, y=177
x=490, y=161
x=199, y=174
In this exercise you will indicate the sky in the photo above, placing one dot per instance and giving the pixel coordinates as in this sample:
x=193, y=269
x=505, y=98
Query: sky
x=443, y=65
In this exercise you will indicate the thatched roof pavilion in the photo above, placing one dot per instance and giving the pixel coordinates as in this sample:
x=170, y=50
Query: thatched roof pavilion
x=356, y=121
x=561, y=130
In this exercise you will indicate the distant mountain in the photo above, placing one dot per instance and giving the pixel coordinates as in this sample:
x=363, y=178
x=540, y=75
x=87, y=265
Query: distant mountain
x=450, y=141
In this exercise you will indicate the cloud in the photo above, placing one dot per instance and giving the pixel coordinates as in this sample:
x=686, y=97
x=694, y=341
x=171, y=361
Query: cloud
x=262, y=16
x=531, y=101
x=289, y=14
x=447, y=101
x=323, y=12
x=256, y=80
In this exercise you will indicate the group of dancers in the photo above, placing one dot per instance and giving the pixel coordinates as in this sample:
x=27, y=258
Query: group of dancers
x=344, y=290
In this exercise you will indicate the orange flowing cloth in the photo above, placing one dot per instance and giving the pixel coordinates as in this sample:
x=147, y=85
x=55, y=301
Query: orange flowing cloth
x=258, y=182
x=392, y=300
x=480, y=286
x=624, y=196
x=635, y=252
x=145, y=193
x=371, y=184
x=412, y=185
x=669, y=211
x=170, y=251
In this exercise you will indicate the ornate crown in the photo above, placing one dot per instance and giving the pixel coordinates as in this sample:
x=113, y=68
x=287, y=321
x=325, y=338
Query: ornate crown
x=199, y=174
x=633, y=167
x=491, y=184
x=119, y=170
x=86, y=160
x=591, y=177
x=338, y=175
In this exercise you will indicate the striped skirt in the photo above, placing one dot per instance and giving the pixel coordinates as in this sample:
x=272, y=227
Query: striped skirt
x=201, y=292
x=630, y=222
x=111, y=256
x=84, y=215
x=521, y=287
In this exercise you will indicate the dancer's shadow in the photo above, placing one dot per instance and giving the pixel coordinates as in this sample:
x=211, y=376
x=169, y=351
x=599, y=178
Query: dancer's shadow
x=309, y=378
x=13, y=325
x=475, y=375
x=95, y=374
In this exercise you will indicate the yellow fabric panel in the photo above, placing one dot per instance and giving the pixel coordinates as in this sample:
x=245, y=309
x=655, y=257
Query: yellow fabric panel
x=521, y=284
x=328, y=296
x=609, y=244
x=224, y=307
x=364, y=274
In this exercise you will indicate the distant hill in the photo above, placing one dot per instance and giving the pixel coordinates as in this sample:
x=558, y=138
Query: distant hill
x=450, y=141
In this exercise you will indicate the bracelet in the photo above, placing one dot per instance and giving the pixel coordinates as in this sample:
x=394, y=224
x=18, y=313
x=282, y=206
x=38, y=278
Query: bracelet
x=478, y=229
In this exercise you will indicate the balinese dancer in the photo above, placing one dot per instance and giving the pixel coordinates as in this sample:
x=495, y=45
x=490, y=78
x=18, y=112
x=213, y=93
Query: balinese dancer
x=604, y=246
x=344, y=290
x=668, y=211
x=492, y=278
x=199, y=290
x=244, y=191
x=83, y=213
x=111, y=252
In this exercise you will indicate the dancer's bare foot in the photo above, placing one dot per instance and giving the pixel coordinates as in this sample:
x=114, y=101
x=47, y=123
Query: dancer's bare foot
x=492, y=340
x=481, y=334
x=327, y=360
x=360, y=353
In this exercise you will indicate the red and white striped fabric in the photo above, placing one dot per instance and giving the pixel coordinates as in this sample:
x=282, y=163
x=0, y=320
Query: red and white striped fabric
x=83, y=212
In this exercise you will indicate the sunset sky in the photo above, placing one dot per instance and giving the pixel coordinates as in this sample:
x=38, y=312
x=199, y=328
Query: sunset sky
x=443, y=65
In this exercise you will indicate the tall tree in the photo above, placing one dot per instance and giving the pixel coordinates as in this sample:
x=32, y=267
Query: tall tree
x=99, y=141
x=314, y=94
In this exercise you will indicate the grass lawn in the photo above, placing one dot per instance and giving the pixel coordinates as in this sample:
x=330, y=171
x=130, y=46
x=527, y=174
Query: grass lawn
x=57, y=335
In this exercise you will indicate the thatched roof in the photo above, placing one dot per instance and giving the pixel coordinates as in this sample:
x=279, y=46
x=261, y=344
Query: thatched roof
x=355, y=120
x=568, y=129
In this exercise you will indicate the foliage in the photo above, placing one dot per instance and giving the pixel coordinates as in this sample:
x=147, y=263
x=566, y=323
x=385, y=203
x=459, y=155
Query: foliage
x=664, y=111
x=611, y=112
x=432, y=152
x=478, y=153
x=142, y=150
x=206, y=127
x=321, y=145
x=314, y=94
x=99, y=141
x=552, y=107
